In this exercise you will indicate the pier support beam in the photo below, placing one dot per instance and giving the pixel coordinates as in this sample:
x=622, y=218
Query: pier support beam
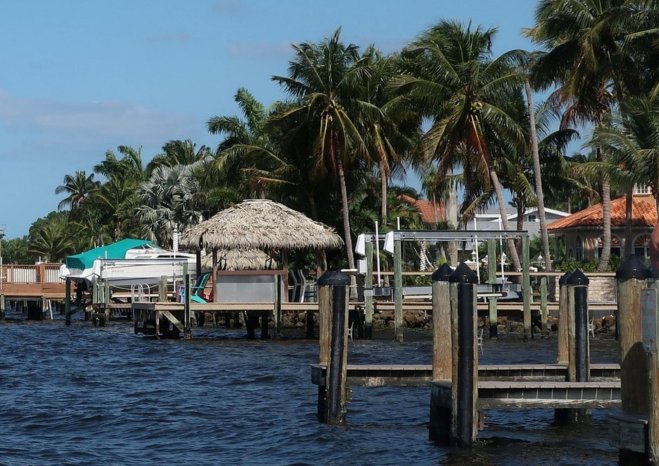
x=368, y=292
x=331, y=403
x=578, y=347
x=637, y=365
x=67, y=302
x=455, y=421
x=492, y=280
x=398, y=291
x=442, y=362
x=563, y=320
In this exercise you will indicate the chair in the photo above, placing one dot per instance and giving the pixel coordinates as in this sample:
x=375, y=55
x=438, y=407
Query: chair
x=480, y=339
x=196, y=290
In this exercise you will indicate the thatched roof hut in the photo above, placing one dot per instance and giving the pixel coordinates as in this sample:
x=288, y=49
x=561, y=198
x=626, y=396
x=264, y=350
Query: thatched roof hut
x=260, y=224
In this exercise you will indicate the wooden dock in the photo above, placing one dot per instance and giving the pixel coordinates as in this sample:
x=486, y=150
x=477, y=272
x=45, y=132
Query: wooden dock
x=31, y=282
x=410, y=375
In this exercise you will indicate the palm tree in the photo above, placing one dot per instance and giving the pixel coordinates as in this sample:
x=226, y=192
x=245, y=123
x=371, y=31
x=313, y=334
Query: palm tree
x=590, y=59
x=246, y=144
x=78, y=189
x=50, y=239
x=168, y=202
x=631, y=139
x=179, y=152
x=322, y=77
x=388, y=132
x=469, y=95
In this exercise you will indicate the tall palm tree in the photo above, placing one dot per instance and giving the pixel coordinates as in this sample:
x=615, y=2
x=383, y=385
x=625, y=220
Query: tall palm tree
x=78, y=188
x=454, y=79
x=631, y=138
x=388, y=132
x=589, y=58
x=323, y=78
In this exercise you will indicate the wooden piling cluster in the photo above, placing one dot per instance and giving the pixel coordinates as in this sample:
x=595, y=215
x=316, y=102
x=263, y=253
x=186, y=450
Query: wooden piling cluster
x=457, y=398
x=636, y=430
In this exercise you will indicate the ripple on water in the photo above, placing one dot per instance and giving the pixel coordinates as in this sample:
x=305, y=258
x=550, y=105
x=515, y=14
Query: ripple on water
x=85, y=395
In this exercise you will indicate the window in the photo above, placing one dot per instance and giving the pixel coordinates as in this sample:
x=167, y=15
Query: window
x=579, y=251
x=533, y=218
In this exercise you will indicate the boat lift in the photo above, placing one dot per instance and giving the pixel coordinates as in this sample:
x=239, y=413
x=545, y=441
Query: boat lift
x=392, y=244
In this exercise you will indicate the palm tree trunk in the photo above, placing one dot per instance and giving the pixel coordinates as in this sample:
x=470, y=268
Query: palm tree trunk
x=346, y=214
x=629, y=240
x=535, y=155
x=504, y=218
x=603, y=265
x=383, y=194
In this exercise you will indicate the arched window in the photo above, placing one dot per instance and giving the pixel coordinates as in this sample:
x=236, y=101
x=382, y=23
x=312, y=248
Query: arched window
x=641, y=246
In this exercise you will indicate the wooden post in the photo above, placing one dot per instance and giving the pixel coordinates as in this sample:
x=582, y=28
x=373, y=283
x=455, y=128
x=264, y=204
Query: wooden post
x=67, y=302
x=526, y=288
x=398, y=291
x=162, y=289
x=324, y=314
x=543, y=303
x=368, y=292
x=638, y=374
x=492, y=280
x=563, y=320
x=277, y=307
x=578, y=350
x=464, y=387
x=582, y=351
x=442, y=362
x=336, y=372
x=186, y=305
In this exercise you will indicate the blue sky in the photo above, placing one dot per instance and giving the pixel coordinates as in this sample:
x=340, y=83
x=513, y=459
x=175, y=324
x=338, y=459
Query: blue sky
x=80, y=77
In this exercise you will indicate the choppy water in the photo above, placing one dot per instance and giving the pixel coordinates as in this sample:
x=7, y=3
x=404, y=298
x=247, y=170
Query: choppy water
x=86, y=395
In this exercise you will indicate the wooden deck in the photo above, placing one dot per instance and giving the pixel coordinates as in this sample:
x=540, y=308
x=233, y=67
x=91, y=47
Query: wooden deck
x=36, y=281
x=405, y=375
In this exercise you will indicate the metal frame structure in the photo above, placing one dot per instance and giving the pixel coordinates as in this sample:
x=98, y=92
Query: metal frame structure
x=442, y=236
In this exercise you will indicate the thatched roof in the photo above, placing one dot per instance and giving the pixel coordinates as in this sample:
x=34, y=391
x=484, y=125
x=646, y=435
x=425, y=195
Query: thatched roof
x=260, y=224
x=239, y=259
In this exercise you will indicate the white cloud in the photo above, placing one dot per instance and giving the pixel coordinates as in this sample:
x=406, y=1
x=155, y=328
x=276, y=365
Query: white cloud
x=102, y=119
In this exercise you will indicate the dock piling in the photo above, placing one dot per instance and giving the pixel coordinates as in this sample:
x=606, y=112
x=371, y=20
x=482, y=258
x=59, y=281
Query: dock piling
x=441, y=324
x=637, y=368
x=331, y=406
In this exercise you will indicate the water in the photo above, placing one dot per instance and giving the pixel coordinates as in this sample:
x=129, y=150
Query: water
x=86, y=395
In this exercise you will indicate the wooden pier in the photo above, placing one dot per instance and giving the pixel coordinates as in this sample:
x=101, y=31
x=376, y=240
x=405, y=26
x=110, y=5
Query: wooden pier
x=31, y=288
x=461, y=389
x=413, y=375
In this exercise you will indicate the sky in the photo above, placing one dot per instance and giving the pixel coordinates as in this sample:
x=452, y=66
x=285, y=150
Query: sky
x=80, y=77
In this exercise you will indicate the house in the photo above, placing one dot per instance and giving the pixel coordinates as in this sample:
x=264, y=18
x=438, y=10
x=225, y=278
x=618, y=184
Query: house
x=491, y=220
x=431, y=212
x=582, y=230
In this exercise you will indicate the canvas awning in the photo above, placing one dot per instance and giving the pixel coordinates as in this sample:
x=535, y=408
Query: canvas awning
x=85, y=260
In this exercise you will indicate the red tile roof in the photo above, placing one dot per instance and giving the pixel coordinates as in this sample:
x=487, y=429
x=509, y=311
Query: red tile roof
x=431, y=212
x=644, y=214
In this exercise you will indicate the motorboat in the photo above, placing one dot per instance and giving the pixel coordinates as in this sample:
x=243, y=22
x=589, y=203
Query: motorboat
x=127, y=262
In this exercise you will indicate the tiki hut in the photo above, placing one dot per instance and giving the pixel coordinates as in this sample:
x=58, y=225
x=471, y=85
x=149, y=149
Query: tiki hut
x=260, y=224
